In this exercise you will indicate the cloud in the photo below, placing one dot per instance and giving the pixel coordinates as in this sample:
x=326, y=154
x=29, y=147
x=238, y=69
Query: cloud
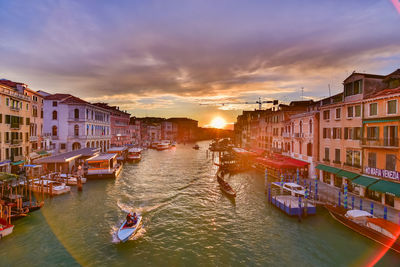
x=158, y=55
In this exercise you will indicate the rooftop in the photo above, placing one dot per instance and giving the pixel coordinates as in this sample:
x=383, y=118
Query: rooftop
x=102, y=157
x=68, y=156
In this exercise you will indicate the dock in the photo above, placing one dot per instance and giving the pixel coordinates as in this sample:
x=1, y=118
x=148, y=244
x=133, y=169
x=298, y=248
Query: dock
x=292, y=206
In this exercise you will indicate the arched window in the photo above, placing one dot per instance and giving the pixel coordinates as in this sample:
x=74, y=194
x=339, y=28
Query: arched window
x=310, y=125
x=301, y=126
x=54, y=115
x=76, y=113
x=76, y=146
x=54, y=131
x=88, y=144
x=76, y=130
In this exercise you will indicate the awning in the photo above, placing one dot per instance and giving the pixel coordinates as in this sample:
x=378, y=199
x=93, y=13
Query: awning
x=42, y=153
x=384, y=186
x=6, y=162
x=328, y=168
x=4, y=176
x=298, y=163
x=364, y=181
x=347, y=174
x=18, y=162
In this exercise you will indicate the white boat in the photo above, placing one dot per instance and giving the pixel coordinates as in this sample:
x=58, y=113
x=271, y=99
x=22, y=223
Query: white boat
x=125, y=232
x=135, y=154
x=71, y=180
x=50, y=187
x=5, y=228
x=103, y=166
x=163, y=145
x=295, y=189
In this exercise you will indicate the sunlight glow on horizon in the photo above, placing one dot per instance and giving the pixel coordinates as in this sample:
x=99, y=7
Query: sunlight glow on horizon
x=218, y=122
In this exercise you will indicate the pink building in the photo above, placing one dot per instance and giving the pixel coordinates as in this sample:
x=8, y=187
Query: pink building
x=119, y=120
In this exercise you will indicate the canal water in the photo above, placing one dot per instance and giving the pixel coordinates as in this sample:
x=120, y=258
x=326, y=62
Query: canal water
x=188, y=221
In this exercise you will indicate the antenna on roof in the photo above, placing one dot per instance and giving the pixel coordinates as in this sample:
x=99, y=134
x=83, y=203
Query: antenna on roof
x=302, y=93
x=329, y=89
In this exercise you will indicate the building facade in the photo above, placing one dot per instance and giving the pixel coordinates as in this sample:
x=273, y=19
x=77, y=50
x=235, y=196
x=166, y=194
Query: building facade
x=73, y=123
x=120, y=132
x=15, y=120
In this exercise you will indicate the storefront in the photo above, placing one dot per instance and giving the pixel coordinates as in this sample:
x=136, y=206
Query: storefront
x=387, y=192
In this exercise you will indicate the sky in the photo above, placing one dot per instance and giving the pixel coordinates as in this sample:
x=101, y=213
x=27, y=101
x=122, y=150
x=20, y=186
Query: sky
x=165, y=58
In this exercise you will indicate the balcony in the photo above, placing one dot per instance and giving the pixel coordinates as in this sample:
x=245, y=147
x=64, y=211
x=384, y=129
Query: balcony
x=392, y=143
x=33, y=138
x=16, y=141
x=76, y=119
x=15, y=108
x=287, y=135
x=15, y=126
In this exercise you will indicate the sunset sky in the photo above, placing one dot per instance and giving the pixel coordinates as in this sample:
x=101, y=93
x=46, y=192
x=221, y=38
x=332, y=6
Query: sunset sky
x=164, y=58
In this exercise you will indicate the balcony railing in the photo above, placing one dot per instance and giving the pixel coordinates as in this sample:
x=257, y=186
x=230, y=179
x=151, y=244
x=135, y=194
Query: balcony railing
x=383, y=142
x=15, y=126
x=14, y=108
x=16, y=141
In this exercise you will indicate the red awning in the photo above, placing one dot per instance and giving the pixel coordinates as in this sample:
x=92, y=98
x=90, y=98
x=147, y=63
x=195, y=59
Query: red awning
x=298, y=163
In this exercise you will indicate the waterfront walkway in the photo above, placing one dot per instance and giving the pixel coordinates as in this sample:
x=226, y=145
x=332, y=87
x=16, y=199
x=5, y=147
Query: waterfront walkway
x=328, y=193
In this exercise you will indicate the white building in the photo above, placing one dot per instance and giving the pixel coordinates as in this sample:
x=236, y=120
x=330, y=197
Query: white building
x=73, y=123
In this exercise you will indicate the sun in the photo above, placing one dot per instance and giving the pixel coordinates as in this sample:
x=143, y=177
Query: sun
x=218, y=122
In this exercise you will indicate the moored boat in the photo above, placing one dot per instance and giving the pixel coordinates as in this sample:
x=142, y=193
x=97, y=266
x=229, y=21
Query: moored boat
x=5, y=228
x=125, y=231
x=379, y=230
x=103, y=166
x=196, y=147
x=134, y=154
x=163, y=145
x=121, y=152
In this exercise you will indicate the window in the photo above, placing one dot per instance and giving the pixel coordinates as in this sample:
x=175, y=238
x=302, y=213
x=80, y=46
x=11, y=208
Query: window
x=62, y=146
x=357, y=133
x=373, y=109
x=76, y=130
x=338, y=113
x=337, y=133
x=54, y=103
x=76, y=113
x=372, y=160
x=337, y=155
x=357, y=85
x=28, y=121
x=349, y=112
x=348, y=89
x=309, y=149
x=310, y=125
x=353, y=88
x=392, y=107
x=390, y=162
x=390, y=136
x=327, y=114
x=372, y=133
x=7, y=101
x=54, y=131
x=353, y=158
x=326, y=154
x=357, y=111
x=301, y=127
x=54, y=115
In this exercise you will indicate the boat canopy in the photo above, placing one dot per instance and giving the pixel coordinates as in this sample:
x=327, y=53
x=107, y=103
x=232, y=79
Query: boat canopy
x=102, y=157
x=116, y=149
x=386, y=187
x=135, y=150
x=358, y=213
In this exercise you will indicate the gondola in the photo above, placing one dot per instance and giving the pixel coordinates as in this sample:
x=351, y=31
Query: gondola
x=225, y=187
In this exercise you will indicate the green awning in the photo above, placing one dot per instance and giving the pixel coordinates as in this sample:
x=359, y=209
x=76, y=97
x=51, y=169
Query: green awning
x=347, y=174
x=328, y=168
x=379, y=120
x=42, y=153
x=18, y=162
x=365, y=181
x=384, y=186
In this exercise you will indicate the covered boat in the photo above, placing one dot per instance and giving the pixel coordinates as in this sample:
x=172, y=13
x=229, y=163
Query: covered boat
x=135, y=154
x=103, y=166
x=164, y=145
x=381, y=231
x=121, y=152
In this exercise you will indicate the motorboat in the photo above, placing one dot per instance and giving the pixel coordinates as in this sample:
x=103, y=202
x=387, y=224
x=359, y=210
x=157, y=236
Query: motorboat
x=196, y=147
x=163, y=145
x=295, y=189
x=125, y=231
x=5, y=228
x=379, y=230
x=72, y=180
x=134, y=154
x=103, y=166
